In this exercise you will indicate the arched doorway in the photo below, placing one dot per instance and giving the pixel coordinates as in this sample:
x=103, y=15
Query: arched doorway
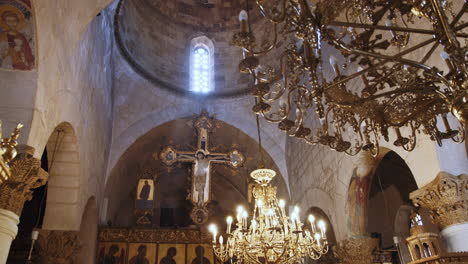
x=391, y=184
x=62, y=207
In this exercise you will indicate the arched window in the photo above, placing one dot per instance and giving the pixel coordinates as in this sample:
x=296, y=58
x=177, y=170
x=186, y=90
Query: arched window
x=201, y=65
x=417, y=251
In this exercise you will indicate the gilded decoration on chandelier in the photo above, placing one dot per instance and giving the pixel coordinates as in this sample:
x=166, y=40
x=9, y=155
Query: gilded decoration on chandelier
x=387, y=76
x=270, y=236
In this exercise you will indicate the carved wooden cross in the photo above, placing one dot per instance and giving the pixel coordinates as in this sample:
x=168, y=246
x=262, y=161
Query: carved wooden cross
x=202, y=158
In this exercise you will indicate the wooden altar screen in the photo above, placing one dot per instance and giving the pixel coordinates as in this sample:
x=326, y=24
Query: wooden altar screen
x=154, y=246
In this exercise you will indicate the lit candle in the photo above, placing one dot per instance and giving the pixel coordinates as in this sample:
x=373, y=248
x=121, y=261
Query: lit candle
x=229, y=223
x=254, y=226
x=321, y=225
x=244, y=217
x=317, y=238
x=240, y=209
x=243, y=18
x=312, y=223
x=221, y=240
x=282, y=204
x=214, y=231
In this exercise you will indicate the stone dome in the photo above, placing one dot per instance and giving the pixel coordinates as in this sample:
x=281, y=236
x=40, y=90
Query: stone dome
x=154, y=36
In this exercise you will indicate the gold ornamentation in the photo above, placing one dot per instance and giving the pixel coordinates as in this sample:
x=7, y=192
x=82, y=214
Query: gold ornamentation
x=386, y=76
x=26, y=174
x=271, y=236
x=58, y=247
x=359, y=250
x=152, y=235
x=7, y=152
x=446, y=198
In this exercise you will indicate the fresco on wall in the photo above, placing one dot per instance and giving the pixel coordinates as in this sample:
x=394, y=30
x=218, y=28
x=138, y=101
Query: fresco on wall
x=17, y=40
x=357, y=206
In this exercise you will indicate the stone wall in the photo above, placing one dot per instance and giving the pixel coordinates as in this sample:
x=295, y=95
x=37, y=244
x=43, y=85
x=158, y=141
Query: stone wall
x=74, y=81
x=139, y=106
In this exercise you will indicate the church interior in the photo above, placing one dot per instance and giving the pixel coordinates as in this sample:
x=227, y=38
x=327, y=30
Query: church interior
x=233, y=131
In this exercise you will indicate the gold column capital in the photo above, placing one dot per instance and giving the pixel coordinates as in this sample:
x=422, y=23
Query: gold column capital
x=26, y=174
x=357, y=250
x=446, y=198
x=57, y=246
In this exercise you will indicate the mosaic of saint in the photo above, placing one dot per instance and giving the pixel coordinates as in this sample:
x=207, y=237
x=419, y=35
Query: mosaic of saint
x=16, y=35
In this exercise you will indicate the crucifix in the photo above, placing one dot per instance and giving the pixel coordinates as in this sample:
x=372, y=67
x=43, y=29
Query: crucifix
x=201, y=158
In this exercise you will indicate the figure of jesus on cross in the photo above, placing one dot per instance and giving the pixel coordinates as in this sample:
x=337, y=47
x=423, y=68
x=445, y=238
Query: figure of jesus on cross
x=202, y=158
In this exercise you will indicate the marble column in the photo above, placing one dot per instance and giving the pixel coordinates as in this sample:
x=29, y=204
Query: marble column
x=8, y=229
x=356, y=250
x=26, y=175
x=446, y=197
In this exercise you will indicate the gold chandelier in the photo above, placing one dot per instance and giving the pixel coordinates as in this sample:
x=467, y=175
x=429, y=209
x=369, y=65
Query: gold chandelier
x=270, y=237
x=385, y=76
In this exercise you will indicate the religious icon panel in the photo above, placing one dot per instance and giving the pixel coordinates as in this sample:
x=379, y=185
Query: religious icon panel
x=112, y=253
x=145, y=194
x=171, y=254
x=141, y=253
x=200, y=254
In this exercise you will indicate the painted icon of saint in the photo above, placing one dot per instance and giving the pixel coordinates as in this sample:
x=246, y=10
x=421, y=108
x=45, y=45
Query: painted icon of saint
x=200, y=258
x=169, y=258
x=140, y=258
x=113, y=256
x=15, y=50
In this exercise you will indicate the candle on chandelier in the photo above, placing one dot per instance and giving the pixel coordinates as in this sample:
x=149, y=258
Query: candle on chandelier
x=229, y=223
x=312, y=223
x=214, y=230
x=244, y=217
x=281, y=205
x=221, y=240
x=317, y=238
x=298, y=223
x=243, y=18
x=240, y=209
x=322, y=226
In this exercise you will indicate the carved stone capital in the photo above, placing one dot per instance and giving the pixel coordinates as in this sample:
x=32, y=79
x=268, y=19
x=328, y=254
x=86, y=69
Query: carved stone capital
x=58, y=247
x=356, y=250
x=446, y=198
x=26, y=174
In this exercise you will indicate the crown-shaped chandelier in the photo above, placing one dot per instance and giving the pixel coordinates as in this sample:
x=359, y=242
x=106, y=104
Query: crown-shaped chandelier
x=386, y=74
x=270, y=236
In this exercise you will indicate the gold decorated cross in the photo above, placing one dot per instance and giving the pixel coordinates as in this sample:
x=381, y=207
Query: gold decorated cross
x=201, y=158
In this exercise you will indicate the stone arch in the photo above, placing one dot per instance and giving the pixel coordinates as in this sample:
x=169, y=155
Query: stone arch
x=273, y=140
x=122, y=178
x=360, y=188
x=390, y=185
x=63, y=191
x=88, y=233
